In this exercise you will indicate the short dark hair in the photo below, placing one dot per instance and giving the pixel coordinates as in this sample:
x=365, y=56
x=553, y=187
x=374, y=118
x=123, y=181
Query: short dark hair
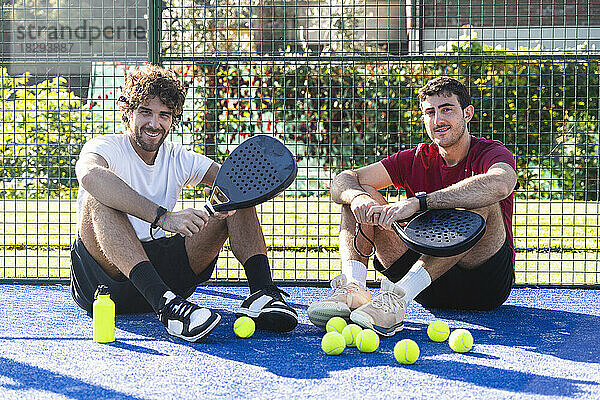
x=448, y=86
x=148, y=81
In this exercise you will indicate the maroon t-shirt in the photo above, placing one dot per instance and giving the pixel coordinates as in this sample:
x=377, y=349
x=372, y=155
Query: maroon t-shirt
x=422, y=169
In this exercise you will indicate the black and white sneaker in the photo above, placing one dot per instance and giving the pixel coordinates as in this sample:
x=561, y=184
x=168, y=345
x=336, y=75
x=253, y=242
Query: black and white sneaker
x=268, y=309
x=186, y=320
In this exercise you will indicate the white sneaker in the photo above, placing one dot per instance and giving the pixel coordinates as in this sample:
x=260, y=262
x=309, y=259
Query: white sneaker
x=269, y=310
x=385, y=312
x=343, y=298
x=186, y=320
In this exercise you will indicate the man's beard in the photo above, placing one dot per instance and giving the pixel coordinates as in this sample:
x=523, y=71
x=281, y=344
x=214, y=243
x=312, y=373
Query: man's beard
x=462, y=128
x=150, y=147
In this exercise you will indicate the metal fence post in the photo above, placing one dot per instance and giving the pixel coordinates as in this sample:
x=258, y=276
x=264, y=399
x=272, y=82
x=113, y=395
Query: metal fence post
x=154, y=24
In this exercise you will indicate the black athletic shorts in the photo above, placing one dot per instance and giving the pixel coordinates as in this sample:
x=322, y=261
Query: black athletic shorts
x=168, y=256
x=483, y=288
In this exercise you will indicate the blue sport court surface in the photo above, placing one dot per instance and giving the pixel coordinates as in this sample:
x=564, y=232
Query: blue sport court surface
x=542, y=344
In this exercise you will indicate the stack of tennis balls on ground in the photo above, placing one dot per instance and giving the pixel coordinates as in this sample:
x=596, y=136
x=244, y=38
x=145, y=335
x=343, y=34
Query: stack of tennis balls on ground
x=340, y=335
x=407, y=351
x=460, y=340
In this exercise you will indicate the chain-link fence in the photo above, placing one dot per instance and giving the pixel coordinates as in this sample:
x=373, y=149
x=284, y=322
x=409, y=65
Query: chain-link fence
x=336, y=80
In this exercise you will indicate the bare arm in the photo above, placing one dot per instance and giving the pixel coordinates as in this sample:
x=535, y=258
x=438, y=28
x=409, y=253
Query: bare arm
x=350, y=184
x=106, y=187
x=211, y=174
x=352, y=188
x=476, y=191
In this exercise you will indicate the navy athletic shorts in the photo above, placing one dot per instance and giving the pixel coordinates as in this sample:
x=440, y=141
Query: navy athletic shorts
x=483, y=288
x=168, y=256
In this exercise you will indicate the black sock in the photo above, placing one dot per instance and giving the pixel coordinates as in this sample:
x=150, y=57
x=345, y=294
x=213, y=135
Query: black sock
x=145, y=278
x=258, y=272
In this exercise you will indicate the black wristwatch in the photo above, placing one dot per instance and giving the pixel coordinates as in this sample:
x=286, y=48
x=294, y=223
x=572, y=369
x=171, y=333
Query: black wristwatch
x=160, y=211
x=422, y=196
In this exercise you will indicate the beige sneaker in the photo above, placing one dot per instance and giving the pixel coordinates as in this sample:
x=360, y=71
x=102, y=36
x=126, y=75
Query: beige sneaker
x=343, y=298
x=385, y=312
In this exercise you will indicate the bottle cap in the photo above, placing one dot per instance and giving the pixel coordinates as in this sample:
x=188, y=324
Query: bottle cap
x=101, y=290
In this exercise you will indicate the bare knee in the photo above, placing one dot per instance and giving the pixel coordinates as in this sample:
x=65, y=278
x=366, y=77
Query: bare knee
x=94, y=209
x=374, y=193
x=97, y=217
x=492, y=241
x=347, y=214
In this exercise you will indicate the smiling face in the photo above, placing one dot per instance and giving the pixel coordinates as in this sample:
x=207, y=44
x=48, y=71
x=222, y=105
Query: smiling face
x=149, y=125
x=445, y=120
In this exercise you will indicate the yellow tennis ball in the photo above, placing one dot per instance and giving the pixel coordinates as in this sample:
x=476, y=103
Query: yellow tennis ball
x=335, y=324
x=244, y=327
x=367, y=341
x=438, y=331
x=333, y=343
x=350, y=332
x=460, y=340
x=406, y=351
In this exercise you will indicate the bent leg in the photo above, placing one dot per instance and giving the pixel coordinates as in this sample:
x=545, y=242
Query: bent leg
x=204, y=247
x=245, y=234
x=388, y=245
x=437, y=281
x=483, y=288
x=389, y=251
x=265, y=305
x=348, y=289
x=245, y=238
x=450, y=277
x=110, y=253
x=110, y=239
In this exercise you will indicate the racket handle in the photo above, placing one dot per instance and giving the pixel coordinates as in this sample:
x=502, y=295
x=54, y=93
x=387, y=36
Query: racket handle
x=397, y=228
x=209, y=208
x=400, y=231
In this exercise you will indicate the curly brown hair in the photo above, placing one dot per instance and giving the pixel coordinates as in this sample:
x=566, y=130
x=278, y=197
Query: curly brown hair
x=448, y=86
x=148, y=81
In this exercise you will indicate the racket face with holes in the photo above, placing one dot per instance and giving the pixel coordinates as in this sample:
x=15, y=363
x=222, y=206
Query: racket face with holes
x=256, y=171
x=442, y=233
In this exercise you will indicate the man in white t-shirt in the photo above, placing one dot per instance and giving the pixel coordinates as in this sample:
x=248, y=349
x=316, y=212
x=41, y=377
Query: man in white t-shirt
x=128, y=187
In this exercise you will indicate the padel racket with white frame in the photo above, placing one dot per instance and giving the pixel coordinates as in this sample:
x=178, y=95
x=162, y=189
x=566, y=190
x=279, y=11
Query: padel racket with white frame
x=257, y=170
x=442, y=233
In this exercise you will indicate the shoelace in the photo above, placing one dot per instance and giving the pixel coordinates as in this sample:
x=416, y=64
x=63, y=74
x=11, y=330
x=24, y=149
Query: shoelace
x=337, y=290
x=351, y=287
x=387, y=301
x=275, y=292
x=180, y=309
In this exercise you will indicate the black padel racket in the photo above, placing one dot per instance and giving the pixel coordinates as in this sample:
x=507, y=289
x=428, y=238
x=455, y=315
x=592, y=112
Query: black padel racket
x=256, y=171
x=442, y=233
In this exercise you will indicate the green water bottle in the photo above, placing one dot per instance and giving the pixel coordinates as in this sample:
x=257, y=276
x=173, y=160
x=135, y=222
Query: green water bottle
x=103, y=316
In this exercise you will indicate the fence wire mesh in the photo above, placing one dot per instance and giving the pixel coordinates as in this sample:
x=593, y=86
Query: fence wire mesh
x=336, y=80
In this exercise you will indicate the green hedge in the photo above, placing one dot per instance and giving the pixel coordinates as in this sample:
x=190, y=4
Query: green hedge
x=545, y=107
x=349, y=114
x=42, y=127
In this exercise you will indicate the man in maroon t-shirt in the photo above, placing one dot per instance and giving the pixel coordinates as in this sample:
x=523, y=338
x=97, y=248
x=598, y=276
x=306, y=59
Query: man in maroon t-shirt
x=455, y=170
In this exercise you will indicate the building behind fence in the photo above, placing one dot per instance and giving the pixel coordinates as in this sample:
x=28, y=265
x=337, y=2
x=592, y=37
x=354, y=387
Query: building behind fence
x=336, y=80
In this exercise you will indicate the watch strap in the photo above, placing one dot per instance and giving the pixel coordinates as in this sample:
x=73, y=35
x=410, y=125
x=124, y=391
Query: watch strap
x=422, y=197
x=160, y=211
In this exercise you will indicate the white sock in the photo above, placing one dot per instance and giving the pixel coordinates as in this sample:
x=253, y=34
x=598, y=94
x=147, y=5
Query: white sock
x=414, y=282
x=355, y=271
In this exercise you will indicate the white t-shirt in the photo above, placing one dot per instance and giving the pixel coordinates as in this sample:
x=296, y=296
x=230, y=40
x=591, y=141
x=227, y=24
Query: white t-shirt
x=162, y=182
